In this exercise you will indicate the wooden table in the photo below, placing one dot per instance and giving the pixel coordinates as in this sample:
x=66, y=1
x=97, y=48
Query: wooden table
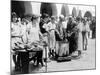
x=24, y=56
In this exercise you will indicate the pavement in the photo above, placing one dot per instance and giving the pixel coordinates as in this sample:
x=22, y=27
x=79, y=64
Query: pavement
x=87, y=61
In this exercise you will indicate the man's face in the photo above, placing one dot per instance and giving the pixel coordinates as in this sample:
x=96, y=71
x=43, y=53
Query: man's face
x=70, y=20
x=14, y=19
x=85, y=18
x=34, y=21
x=53, y=20
x=46, y=19
x=73, y=19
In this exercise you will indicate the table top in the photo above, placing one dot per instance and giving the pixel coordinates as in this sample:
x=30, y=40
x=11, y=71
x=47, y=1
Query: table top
x=29, y=50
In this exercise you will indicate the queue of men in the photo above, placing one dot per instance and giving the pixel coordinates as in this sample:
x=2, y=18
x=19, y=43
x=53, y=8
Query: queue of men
x=50, y=36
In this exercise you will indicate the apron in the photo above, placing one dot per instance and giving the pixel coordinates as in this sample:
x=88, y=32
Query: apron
x=62, y=47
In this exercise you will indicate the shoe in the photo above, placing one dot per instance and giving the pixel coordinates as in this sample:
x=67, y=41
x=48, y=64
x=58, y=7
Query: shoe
x=43, y=65
x=17, y=69
x=47, y=60
x=76, y=54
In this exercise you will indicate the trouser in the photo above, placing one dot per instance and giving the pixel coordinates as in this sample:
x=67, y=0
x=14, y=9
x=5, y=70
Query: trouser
x=46, y=48
x=17, y=61
x=90, y=34
x=85, y=40
x=72, y=43
x=52, y=39
x=24, y=61
x=93, y=33
x=39, y=56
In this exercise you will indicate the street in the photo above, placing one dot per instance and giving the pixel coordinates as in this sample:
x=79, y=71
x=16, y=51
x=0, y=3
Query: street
x=87, y=61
